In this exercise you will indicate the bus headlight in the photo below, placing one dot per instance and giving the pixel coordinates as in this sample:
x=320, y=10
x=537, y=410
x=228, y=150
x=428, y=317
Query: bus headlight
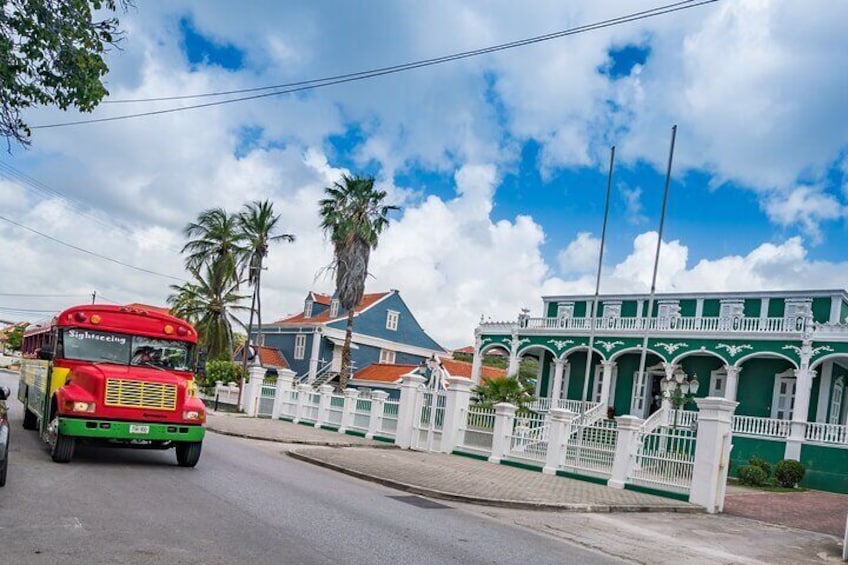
x=193, y=415
x=77, y=406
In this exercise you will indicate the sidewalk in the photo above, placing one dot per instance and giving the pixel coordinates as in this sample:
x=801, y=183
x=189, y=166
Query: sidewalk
x=232, y=424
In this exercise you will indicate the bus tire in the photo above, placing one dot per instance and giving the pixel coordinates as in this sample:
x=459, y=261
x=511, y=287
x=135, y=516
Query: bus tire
x=30, y=419
x=188, y=453
x=62, y=450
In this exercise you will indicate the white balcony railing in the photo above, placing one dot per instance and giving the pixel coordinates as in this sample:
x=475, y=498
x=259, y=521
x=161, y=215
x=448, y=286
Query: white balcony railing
x=764, y=427
x=827, y=433
x=701, y=324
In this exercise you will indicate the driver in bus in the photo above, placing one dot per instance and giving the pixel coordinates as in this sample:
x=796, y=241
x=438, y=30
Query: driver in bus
x=144, y=356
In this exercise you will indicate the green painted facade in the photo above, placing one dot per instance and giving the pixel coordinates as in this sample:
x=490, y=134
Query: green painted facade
x=746, y=447
x=827, y=468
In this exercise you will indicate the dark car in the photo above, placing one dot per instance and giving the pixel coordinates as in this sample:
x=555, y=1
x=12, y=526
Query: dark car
x=4, y=434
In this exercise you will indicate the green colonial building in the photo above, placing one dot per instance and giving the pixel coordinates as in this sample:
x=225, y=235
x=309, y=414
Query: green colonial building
x=782, y=355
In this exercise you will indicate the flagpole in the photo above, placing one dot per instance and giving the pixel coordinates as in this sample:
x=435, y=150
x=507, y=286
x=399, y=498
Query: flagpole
x=594, y=310
x=647, y=323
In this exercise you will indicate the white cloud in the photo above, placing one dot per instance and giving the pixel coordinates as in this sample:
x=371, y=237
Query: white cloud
x=632, y=198
x=807, y=206
x=581, y=255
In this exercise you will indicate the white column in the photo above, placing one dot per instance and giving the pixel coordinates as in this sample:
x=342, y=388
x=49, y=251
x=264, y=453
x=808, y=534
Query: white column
x=803, y=385
x=313, y=355
x=250, y=398
x=606, y=381
x=303, y=392
x=560, y=430
x=351, y=395
x=457, y=399
x=824, y=391
x=512, y=369
x=477, y=359
x=285, y=382
x=502, y=432
x=625, y=449
x=324, y=405
x=375, y=422
x=732, y=385
x=712, y=452
x=407, y=409
x=556, y=390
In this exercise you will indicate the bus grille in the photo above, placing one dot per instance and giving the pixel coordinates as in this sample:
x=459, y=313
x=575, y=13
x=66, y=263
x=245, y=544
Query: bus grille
x=140, y=394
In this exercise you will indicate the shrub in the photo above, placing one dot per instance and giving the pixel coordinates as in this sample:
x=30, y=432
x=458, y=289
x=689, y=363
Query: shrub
x=789, y=473
x=761, y=463
x=218, y=370
x=751, y=475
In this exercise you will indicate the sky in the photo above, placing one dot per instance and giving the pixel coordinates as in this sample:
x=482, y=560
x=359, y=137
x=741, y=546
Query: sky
x=498, y=163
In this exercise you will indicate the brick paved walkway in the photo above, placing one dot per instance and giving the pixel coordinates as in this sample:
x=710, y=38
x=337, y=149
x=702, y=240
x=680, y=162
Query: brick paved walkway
x=815, y=511
x=462, y=478
x=283, y=432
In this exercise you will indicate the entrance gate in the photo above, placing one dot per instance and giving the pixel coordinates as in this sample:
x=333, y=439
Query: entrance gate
x=429, y=420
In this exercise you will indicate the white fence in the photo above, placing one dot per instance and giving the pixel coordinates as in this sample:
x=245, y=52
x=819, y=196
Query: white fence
x=528, y=440
x=665, y=459
x=591, y=449
x=477, y=430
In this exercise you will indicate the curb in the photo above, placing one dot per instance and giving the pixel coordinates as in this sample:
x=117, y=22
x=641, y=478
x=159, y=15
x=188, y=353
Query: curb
x=296, y=441
x=497, y=502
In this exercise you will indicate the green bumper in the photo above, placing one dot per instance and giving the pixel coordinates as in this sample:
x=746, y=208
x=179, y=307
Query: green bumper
x=109, y=429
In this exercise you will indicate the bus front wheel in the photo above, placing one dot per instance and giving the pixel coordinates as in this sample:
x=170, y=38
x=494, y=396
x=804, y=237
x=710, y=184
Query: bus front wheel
x=62, y=446
x=188, y=453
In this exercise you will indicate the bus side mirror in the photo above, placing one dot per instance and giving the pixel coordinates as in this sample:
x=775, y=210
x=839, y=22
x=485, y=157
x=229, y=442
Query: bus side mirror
x=4, y=393
x=45, y=354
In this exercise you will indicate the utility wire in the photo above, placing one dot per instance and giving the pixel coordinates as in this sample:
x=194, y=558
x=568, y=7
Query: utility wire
x=92, y=253
x=289, y=88
x=17, y=176
x=27, y=295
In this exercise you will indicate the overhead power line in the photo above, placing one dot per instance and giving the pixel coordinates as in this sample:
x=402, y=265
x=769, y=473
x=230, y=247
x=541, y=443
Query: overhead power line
x=28, y=295
x=288, y=88
x=86, y=251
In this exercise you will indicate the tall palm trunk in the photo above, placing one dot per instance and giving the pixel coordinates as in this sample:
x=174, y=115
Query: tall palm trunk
x=260, y=340
x=344, y=376
x=245, y=348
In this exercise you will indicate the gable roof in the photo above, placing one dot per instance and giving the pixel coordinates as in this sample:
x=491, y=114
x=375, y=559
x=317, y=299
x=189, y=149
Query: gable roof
x=463, y=369
x=268, y=356
x=299, y=319
x=382, y=372
x=469, y=349
x=318, y=298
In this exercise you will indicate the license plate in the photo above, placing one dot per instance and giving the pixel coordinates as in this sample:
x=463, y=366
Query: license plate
x=138, y=429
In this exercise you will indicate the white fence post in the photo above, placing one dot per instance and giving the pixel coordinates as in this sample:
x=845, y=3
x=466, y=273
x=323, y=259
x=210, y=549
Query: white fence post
x=324, y=405
x=625, y=449
x=303, y=391
x=456, y=410
x=502, y=432
x=560, y=430
x=712, y=452
x=406, y=409
x=375, y=419
x=351, y=395
x=285, y=381
x=250, y=400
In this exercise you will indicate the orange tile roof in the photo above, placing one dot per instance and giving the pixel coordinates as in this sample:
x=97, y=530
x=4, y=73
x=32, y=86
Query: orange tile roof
x=381, y=372
x=463, y=369
x=140, y=306
x=300, y=319
x=469, y=349
x=323, y=299
x=268, y=357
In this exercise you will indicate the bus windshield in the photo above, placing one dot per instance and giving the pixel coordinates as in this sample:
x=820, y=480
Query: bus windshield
x=123, y=349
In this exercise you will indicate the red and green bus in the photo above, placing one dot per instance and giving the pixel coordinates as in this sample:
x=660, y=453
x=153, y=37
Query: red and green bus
x=112, y=374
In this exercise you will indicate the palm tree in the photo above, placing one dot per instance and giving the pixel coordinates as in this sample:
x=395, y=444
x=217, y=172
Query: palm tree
x=257, y=223
x=217, y=239
x=353, y=216
x=210, y=301
x=503, y=389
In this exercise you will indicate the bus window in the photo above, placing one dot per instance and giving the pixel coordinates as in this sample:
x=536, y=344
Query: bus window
x=165, y=353
x=90, y=345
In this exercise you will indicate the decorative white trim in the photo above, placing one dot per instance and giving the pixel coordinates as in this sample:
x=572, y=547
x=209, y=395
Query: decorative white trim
x=561, y=343
x=670, y=347
x=383, y=343
x=813, y=352
x=608, y=345
x=734, y=350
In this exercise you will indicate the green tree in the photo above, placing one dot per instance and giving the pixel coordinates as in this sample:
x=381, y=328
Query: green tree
x=51, y=53
x=353, y=215
x=210, y=301
x=15, y=337
x=258, y=225
x=216, y=238
x=505, y=389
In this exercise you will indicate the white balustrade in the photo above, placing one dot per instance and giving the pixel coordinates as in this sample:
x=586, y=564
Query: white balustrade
x=764, y=427
x=827, y=433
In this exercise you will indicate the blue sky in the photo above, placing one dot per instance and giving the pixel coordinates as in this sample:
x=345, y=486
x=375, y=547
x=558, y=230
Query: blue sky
x=499, y=162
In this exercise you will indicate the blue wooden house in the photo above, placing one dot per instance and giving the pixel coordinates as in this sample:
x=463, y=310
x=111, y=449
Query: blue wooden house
x=384, y=331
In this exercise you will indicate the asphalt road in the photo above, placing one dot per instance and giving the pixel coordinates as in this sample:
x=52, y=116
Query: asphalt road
x=245, y=502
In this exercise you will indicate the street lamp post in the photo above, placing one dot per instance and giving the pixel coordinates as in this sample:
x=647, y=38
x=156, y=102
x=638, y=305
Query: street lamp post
x=679, y=389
